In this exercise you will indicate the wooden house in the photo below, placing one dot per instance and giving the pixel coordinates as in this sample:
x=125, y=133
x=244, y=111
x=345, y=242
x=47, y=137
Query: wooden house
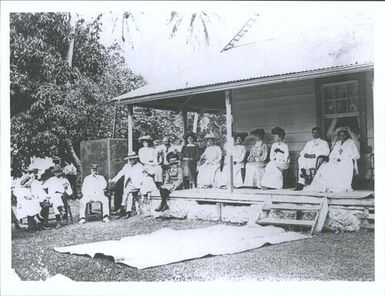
x=319, y=75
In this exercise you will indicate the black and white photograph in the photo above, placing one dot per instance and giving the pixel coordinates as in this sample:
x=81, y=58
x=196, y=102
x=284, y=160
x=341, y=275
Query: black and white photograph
x=176, y=148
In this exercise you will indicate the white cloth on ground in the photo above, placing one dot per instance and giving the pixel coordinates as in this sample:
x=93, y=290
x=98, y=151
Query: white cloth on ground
x=185, y=244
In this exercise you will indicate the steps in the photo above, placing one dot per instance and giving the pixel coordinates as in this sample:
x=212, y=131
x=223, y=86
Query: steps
x=368, y=222
x=315, y=225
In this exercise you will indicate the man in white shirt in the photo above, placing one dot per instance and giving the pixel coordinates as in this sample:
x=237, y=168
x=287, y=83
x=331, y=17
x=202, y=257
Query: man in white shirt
x=133, y=179
x=308, y=157
x=93, y=190
x=59, y=189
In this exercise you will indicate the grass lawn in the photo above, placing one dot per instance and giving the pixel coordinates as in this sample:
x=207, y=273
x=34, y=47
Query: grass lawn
x=326, y=256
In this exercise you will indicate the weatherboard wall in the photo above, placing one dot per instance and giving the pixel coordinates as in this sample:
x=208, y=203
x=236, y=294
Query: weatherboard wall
x=290, y=105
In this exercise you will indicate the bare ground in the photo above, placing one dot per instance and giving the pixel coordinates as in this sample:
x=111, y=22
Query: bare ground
x=326, y=256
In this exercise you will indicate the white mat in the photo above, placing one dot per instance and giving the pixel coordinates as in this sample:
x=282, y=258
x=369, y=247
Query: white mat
x=168, y=246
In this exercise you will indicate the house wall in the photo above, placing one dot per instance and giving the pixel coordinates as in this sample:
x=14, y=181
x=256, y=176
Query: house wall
x=292, y=106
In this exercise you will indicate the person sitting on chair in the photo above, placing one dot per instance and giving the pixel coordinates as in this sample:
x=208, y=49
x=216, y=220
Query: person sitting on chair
x=210, y=163
x=307, y=160
x=27, y=204
x=38, y=191
x=93, y=190
x=173, y=181
x=148, y=156
x=133, y=179
x=256, y=161
x=239, y=153
x=336, y=175
x=59, y=190
x=279, y=161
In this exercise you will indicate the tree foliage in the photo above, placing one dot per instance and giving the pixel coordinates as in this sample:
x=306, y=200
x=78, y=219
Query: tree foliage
x=54, y=103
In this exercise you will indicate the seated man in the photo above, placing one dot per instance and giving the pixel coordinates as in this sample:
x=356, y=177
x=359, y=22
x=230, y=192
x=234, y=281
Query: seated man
x=133, y=179
x=59, y=190
x=308, y=157
x=336, y=175
x=173, y=181
x=93, y=190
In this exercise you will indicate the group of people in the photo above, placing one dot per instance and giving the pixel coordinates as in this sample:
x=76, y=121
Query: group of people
x=166, y=168
x=321, y=167
x=35, y=198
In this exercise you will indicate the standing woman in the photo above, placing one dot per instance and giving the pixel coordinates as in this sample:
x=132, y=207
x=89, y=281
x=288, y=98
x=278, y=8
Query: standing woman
x=337, y=174
x=239, y=153
x=148, y=156
x=210, y=160
x=279, y=161
x=189, y=156
x=256, y=161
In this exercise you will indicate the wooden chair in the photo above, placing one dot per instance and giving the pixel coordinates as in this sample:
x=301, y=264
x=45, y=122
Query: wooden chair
x=94, y=211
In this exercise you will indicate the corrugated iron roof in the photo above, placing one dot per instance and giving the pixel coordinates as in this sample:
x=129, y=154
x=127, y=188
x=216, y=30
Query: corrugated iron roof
x=343, y=44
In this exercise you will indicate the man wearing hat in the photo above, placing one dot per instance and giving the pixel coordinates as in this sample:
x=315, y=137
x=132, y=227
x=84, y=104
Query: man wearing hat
x=148, y=156
x=210, y=163
x=256, y=161
x=173, y=181
x=93, y=190
x=279, y=161
x=42, y=196
x=239, y=153
x=59, y=189
x=133, y=179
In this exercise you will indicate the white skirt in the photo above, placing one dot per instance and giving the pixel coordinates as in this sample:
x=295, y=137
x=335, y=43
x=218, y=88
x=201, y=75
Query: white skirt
x=333, y=176
x=273, y=177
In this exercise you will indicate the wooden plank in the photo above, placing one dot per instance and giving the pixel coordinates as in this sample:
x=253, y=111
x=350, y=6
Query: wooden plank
x=352, y=202
x=130, y=134
x=321, y=217
x=274, y=221
x=291, y=207
x=229, y=137
x=370, y=216
x=367, y=226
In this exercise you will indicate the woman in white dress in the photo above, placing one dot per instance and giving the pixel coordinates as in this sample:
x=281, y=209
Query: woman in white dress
x=210, y=163
x=28, y=205
x=256, y=161
x=279, y=161
x=148, y=156
x=336, y=175
x=239, y=153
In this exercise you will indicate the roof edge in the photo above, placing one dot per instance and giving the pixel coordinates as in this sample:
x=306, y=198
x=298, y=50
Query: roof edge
x=263, y=80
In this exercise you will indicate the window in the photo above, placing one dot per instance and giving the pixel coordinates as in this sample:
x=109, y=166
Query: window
x=340, y=103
